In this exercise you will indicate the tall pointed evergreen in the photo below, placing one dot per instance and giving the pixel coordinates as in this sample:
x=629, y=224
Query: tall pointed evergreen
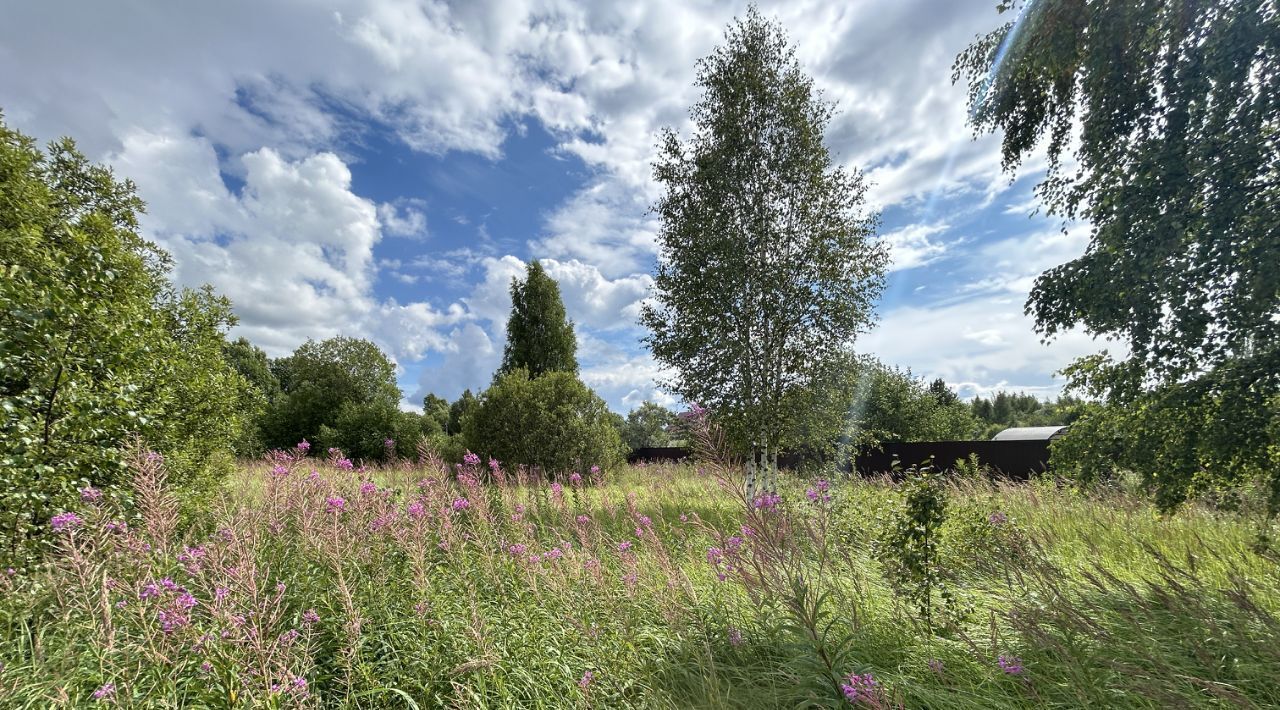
x=539, y=335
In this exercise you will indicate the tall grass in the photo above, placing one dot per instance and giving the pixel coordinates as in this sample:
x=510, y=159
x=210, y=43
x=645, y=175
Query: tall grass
x=309, y=583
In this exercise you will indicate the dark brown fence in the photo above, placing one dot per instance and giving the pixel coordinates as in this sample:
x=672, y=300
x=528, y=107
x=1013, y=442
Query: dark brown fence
x=1016, y=459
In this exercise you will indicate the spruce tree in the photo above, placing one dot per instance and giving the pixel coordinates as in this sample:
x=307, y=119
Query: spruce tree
x=539, y=336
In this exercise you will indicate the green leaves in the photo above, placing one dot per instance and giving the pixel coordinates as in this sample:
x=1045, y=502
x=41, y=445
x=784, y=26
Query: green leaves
x=1161, y=122
x=539, y=336
x=767, y=270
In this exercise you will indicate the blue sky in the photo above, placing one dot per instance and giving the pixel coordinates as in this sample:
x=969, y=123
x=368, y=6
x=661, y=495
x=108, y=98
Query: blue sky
x=382, y=168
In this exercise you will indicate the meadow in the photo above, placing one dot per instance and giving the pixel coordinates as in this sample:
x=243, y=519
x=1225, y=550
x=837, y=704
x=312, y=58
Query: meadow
x=310, y=582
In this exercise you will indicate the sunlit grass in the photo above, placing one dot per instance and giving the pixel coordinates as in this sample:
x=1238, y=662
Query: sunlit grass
x=600, y=594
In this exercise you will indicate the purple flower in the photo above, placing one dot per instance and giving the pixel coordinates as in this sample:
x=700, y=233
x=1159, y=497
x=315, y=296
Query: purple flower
x=595, y=469
x=368, y=488
x=310, y=617
x=585, y=681
x=935, y=665
x=575, y=478
x=624, y=546
x=345, y=464
x=186, y=601
x=220, y=593
x=767, y=501
x=66, y=522
x=461, y=504
x=583, y=519
x=715, y=555
x=470, y=459
x=417, y=510
x=336, y=503
x=106, y=692
x=860, y=689
x=89, y=494
x=552, y=554
x=494, y=464
x=390, y=444
x=997, y=518
x=733, y=543
x=1011, y=665
x=735, y=636
x=279, y=471
x=517, y=550
x=300, y=683
x=304, y=446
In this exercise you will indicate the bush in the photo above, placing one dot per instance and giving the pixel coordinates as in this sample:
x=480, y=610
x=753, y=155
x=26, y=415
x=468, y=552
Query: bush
x=553, y=422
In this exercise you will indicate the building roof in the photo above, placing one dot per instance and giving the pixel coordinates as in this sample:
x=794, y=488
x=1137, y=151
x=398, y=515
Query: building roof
x=1023, y=433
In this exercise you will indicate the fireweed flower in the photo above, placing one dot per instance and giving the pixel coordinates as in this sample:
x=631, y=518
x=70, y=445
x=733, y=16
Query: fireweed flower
x=417, y=510
x=735, y=636
x=461, y=504
x=89, y=494
x=733, y=543
x=494, y=464
x=1012, y=665
x=859, y=689
x=517, y=550
x=471, y=459
x=310, y=617
x=585, y=681
x=389, y=443
x=279, y=471
x=624, y=546
x=336, y=503
x=106, y=692
x=768, y=501
x=715, y=555
x=368, y=488
x=304, y=446
x=595, y=470
x=997, y=518
x=552, y=554
x=345, y=464
x=935, y=665
x=575, y=478
x=66, y=522
x=583, y=519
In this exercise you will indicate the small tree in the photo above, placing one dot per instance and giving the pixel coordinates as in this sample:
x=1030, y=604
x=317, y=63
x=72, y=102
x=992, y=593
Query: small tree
x=539, y=336
x=767, y=268
x=323, y=377
x=553, y=422
x=648, y=425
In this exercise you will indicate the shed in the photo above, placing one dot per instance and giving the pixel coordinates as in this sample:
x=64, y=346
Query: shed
x=1030, y=433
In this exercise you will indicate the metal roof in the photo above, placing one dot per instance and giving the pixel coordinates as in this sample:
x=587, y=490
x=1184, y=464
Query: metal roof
x=1023, y=433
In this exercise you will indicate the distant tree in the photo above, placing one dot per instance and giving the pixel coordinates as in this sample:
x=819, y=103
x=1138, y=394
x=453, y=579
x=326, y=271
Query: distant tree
x=255, y=367
x=460, y=410
x=437, y=409
x=553, y=422
x=1160, y=121
x=321, y=378
x=891, y=404
x=767, y=265
x=941, y=392
x=1007, y=409
x=649, y=424
x=539, y=336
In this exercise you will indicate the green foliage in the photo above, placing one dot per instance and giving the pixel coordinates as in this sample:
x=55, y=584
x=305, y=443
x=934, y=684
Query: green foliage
x=650, y=424
x=362, y=430
x=255, y=367
x=437, y=409
x=95, y=344
x=1008, y=409
x=459, y=411
x=909, y=550
x=323, y=382
x=1110, y=606
x=767, y=267
x=1161, y=125
x=891, y=404
x=553, y=422
x=539, y=336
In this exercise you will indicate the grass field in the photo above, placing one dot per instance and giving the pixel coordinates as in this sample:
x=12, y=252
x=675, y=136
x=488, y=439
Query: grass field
x=305, y=583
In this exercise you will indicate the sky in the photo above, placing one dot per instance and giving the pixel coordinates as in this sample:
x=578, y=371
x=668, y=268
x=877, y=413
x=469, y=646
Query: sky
x=383, y=168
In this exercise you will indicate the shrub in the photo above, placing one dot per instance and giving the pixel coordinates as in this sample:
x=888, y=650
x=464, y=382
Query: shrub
x=910, y=548
x=553, y=422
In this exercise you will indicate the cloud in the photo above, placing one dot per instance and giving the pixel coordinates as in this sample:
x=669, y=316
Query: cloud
x=911, y=246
